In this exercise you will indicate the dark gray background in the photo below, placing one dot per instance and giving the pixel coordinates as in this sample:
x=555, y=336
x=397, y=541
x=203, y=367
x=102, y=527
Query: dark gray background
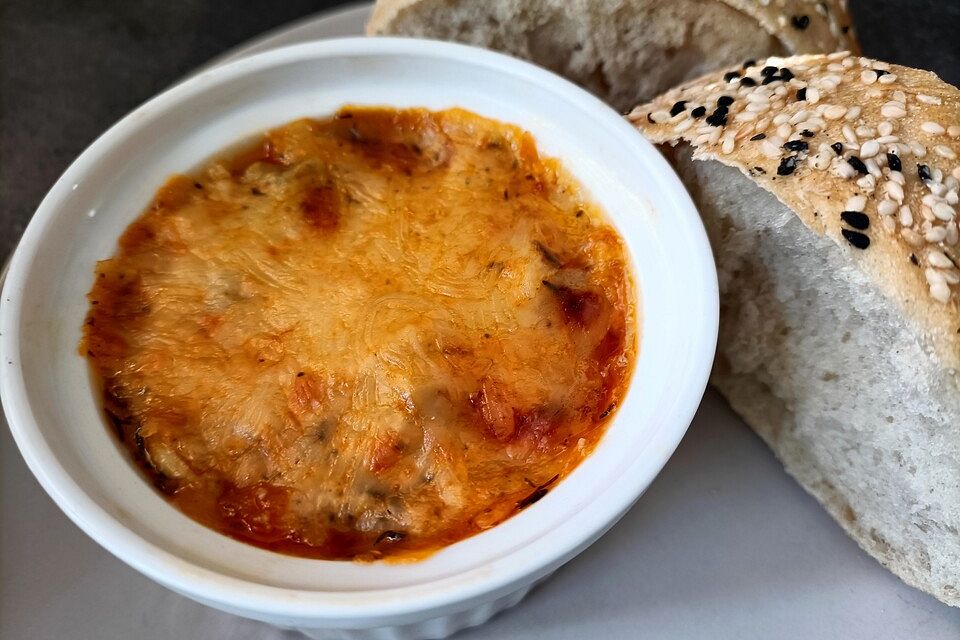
x=71, y=68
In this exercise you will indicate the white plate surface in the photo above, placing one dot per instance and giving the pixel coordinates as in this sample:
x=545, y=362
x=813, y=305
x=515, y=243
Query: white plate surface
x=723, y=545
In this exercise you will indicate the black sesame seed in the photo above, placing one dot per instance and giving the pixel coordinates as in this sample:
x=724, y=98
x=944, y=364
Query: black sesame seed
x=802, y=94
x=837, y=148
x=924, y=172
x=845, y=29
x=730, y=76
x=678, y=107
x=800, y=22
x=786, y=75
x=724, y=101
x=796, y=145
x=856, y=219
x=913, y=259
x=759, y=136
x=893, y=161
x=760, y=170
x=806, y=133
x=857, y=239
x=747, y=81
x=699, y=112
x=768, y=71
x=787, y=166
x=857, y=164
x=718, y=118
x=749, y=63
x=769, y=80
x=880, y=72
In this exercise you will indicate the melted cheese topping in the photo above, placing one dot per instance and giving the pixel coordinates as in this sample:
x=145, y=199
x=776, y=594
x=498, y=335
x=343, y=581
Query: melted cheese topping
x=367, y=336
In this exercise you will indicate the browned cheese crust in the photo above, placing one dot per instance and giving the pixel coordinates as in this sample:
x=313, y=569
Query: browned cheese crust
x=367, y=336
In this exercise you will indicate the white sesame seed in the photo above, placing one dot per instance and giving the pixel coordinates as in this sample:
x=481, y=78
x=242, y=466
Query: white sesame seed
x=897, y=176
x=660, y=116
x=873, y=94
x=890, y=78
x=928, y=99
x=758, y=107
x=934, y=276
x=762, y=124
x=833, y=66
x=950, y=275
x=847, y=62
x=901, y=149
x=887, y=207
x=939, y=260
x=927, y=213
x=853, y=113
x=885, y=128
x=780, y=118
x=933, y=128
x=844, y=170
x=894, y=190
x=900, y=96
x=856, y=203
x=873, y=167
x=892, y=110
x=714, y=136
x=935, y=235
x=863, y=131
x=682, y=126
x=906, y=216
x=834, y=112
x=868, y=76
x=727, y=147
x=758, y=96
x=952, y=235
x=917, y=149
x=952, y=198
x=799, y=116
x=940, y=292
x=943, y=211
x=945, y=152
x=769, y=149
x=956, y=173
x=936, y=192
x=849, y=134
x=745, y=116
x=813, y=95
x=868, y=183
x=821, y=161
x=889, y=224
x=937, y=175
x=913, y=238
x=954, y=131
x=887, y=139
x=869, y=149
x=879, y=64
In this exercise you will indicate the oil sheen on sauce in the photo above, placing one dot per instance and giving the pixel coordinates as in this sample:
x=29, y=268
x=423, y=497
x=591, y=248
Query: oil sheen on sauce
x=368, y=336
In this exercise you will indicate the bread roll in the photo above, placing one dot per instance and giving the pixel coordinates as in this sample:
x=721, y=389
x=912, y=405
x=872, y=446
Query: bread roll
x=829, y=188
x=625, y=51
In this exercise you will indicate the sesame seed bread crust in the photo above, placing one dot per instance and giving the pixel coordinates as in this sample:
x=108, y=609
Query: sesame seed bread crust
x=626, y=51
x=783, y=143
x=839, y=347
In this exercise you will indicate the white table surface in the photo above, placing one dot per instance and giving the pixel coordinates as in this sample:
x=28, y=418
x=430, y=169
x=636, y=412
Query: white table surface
x=723, y=545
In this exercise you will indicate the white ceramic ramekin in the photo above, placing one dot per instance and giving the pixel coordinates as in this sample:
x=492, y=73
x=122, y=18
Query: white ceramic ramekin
x=53, y=412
